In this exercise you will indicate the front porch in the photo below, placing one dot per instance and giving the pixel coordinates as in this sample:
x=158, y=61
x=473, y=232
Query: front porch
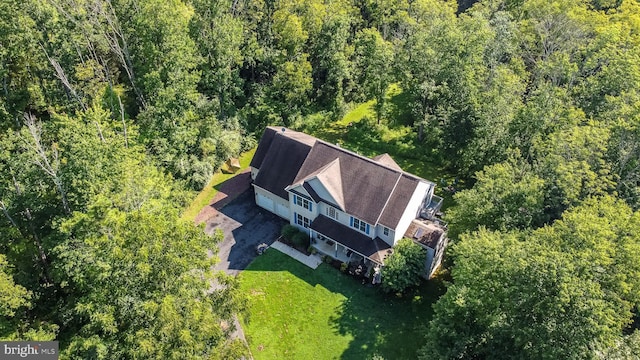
x=334, y=249
x=347, y=245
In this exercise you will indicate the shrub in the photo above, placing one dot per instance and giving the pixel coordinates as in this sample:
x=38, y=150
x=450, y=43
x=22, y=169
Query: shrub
x=343, y=267
x=289, y=231
x=403, y=268
x=300, y=239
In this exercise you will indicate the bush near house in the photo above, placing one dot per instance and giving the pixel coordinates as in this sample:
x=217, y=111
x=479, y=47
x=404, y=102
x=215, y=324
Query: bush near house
x=403, y=267
x=293, y=237
x=289, y=231
x=301, y=240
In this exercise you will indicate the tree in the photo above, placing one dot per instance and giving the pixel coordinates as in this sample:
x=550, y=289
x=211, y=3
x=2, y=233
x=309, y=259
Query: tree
x=220, y=37
x=563, y=291
x=573, y=162
x=403, y=267
x=374, y=59
x=12, y=298
x=506, y=196
x=330, y=60
x=141, y=282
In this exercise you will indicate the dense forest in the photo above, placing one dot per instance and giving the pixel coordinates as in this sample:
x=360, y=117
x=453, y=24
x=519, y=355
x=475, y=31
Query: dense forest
x=113, y=112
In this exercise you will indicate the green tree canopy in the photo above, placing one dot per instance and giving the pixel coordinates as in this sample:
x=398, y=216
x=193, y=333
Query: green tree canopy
x=403, y=267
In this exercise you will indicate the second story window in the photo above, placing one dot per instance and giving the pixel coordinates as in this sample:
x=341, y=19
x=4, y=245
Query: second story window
x=332, y=213
x=300, y=201
x=385, y=231
x=360, y=225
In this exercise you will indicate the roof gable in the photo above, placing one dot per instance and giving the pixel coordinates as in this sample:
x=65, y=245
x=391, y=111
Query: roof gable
x=326, y=183
x=387, y=160
x=366, y=185
x=373, y=190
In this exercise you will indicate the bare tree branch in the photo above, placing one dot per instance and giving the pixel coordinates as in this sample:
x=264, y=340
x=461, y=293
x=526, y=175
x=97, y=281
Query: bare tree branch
x=60, y=74
x=49, y=166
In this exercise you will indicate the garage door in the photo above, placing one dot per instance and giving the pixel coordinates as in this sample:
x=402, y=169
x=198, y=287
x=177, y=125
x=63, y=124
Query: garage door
x=282, y=210
x=265, y=202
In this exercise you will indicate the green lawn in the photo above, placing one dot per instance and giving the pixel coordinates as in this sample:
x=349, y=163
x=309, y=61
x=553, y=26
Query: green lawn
x=211, y=189
x=299, y=313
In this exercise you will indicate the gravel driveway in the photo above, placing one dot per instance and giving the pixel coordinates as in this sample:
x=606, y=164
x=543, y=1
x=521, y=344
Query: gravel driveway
x=245, y=225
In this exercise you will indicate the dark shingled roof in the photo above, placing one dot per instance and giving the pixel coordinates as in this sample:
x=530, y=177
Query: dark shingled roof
x=398, y=201
x=386, y=159
x=263, y=147
x=314, y=195
x=374, y=190
x=367, y=185
x=286, y=153
x=371, y=248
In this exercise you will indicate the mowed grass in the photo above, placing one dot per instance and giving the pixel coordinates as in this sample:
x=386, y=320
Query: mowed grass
x=211, y=189
x=295, y=312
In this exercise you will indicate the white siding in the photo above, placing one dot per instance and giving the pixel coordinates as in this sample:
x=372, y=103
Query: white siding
x=275, y=200
x=282, y=210
x=437, y=258
x=380, y=233
x=322, y=191
x=299, y=209
x=345, y=219
x=411, y=211
x=428, y=264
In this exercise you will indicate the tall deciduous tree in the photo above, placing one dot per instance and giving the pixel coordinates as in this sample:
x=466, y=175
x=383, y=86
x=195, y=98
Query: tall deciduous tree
x=506, y=196
x=142, y=282
x=402, y=269
x=374, y=61
x=564, y=291
x=220, y=37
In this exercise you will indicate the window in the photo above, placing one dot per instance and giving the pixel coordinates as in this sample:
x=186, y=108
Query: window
x=385, y=231
x=300, y=201
x=301, y=220
x=332, y=213
x=360, y=225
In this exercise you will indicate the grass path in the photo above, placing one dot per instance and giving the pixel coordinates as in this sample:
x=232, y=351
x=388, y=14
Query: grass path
x=211, y=189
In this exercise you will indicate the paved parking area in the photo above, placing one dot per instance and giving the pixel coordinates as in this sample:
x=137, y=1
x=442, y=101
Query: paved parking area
x=245, y=225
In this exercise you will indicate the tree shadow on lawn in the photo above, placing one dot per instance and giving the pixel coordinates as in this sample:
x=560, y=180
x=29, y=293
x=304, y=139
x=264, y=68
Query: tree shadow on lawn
x=380, y=324
x=385, y=325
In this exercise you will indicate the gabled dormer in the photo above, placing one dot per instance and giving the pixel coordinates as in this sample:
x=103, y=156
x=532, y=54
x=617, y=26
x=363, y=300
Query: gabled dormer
x=323, y=185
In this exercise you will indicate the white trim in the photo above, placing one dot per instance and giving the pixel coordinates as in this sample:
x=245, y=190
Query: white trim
x=345, y=246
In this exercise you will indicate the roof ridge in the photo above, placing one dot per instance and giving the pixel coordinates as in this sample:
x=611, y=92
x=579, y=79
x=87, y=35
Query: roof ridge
x=347, y=151
x=315, y=174
x=388, y=199
x=357, y=155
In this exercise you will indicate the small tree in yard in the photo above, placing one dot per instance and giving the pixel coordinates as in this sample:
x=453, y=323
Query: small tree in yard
x=402, y=268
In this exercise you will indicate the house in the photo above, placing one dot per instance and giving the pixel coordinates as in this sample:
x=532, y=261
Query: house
x=355, y=209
